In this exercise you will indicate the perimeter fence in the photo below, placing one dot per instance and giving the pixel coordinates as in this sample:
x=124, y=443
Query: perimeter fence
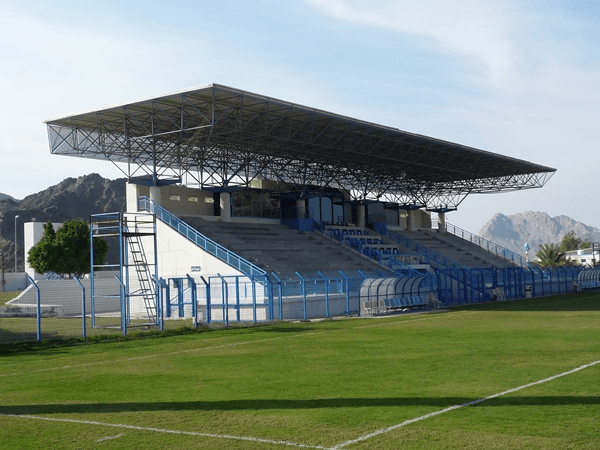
x=63, y=308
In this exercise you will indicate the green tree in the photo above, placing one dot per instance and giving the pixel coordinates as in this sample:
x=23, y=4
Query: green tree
x=66, y=251
x=43, y=256
x=551, y=255
x=569, y=242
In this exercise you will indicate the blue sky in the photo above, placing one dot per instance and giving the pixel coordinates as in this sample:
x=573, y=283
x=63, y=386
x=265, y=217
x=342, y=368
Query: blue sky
x=511, y=77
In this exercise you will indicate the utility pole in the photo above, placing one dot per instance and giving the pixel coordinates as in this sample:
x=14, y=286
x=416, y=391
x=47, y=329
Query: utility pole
x=16, y=246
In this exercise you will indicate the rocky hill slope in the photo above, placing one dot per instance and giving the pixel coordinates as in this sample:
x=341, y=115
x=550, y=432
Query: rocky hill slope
x=73, y=198
x=535, y=228
x=7, y=197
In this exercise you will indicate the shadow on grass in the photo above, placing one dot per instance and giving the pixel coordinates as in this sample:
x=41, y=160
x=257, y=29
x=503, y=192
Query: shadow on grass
x=265, y=404
x=585, y=301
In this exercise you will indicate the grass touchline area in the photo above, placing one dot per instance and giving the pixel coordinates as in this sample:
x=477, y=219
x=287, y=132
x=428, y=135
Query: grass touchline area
x=527, y=370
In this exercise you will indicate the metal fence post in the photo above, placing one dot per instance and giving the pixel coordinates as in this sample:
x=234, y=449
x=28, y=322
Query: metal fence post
x=83, y=327
x=303, y=290
x=38, y=309
x=347, y=289
x=192, y=284
x=279, y=295
x=123, y=309
x=225, y=297
x=326, y=293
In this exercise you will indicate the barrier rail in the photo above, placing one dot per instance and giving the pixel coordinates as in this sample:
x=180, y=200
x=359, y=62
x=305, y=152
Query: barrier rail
x=208, y=245
x=487, y=245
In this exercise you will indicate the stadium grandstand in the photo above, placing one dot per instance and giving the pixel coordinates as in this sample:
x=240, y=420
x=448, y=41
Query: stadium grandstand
x=320, y=214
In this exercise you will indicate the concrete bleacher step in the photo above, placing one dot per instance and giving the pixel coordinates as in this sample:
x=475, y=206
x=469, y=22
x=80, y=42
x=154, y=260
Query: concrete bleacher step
x=277, y=248
x=457, y=249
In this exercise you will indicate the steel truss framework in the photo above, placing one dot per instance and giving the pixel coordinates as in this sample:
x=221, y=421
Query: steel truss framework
x=222, y=138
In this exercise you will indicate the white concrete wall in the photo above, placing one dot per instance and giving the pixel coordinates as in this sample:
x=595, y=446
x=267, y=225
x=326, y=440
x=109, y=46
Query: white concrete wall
x=178, y=257
x=179, y=200
x=34, y=231
x=422, y=219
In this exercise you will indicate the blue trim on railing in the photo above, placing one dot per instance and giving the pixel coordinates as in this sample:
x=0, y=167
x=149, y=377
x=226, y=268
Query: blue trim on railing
x=425, y=251
x=206, y=244
x=487, y=245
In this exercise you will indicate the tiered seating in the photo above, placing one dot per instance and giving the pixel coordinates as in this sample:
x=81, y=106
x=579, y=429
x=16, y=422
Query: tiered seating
x=373, y=247
x=276, y=248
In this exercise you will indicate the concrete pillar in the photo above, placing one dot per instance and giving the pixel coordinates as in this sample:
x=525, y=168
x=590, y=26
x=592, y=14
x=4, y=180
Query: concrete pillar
x=411, y=220
x=441, y=222
x=225, y=207
x=155, y=194
x=360, y=216
x=301, y=208
x=400, y=226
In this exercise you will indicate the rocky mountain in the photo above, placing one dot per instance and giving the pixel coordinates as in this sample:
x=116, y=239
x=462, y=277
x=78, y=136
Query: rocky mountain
x=535, y=228
x=7, y=197
x=72, y=198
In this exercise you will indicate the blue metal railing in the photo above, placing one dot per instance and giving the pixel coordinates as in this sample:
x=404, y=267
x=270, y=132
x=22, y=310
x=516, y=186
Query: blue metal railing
x=206, y=244
x=431, y=255
x=462, y=274
x=487, y=245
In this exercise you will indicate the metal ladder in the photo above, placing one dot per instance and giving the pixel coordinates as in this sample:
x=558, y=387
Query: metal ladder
x=143, y=273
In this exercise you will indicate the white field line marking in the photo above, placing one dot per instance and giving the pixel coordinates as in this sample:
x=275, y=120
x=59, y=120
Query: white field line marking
x=298, y=445
x=452, y=408
x=137, y=358
x=167, y=431
x=108, y=438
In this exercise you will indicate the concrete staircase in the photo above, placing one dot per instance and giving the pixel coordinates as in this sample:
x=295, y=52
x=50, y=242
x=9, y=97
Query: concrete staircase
x=279, y=249
x=457, y=249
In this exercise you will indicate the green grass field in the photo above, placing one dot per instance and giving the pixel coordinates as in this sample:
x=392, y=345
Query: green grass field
x=7, y=296
x=400, y=382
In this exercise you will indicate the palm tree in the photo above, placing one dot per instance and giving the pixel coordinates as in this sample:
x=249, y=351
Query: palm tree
x=550, y=255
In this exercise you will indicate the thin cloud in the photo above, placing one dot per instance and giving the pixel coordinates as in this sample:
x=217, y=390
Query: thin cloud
x=469, y=28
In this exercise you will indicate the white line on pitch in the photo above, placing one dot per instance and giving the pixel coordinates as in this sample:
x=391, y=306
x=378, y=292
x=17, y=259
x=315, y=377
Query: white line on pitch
x=452, y=408
x=108, y=438
x=167, y=431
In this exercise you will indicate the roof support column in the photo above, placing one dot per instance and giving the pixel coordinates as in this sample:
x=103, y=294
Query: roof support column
x=155, y=194
x=360, y=215
x=441, y=222
x=401, y=216
x=301, y=208
x=225, y=207
x=411, y=220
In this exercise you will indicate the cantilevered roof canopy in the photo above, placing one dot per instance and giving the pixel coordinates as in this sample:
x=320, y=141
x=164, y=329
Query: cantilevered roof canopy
x=220, y=137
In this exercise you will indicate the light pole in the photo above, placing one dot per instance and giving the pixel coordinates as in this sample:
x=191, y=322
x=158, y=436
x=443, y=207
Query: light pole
x=16, y=246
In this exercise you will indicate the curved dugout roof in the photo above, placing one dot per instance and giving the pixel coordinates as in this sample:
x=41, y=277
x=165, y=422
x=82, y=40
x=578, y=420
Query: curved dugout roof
x=222, y=138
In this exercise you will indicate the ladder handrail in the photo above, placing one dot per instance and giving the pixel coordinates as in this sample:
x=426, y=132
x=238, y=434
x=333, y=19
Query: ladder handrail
x=205, y=243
